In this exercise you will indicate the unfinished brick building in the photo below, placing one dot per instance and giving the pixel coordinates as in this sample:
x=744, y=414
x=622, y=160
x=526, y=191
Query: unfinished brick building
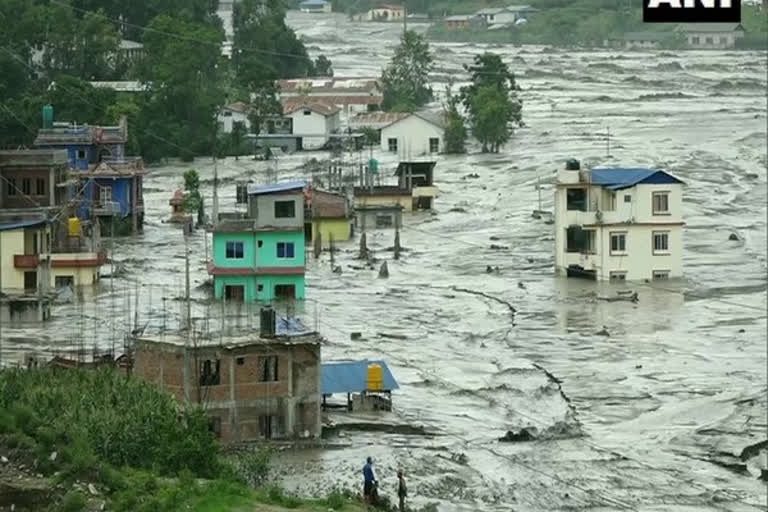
x=253, y=387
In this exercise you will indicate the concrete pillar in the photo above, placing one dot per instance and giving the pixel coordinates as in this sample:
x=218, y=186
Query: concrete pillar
x=51, y=186
x=234, y=424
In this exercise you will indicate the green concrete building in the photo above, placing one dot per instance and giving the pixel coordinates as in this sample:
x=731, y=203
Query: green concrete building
x=257, y=264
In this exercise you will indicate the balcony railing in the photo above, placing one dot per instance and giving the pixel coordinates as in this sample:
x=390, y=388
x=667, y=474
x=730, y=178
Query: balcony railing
x=107, y=208
x=26, y=260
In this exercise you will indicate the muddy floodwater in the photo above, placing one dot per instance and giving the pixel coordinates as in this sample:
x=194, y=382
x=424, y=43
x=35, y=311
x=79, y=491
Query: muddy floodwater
x=653, y=416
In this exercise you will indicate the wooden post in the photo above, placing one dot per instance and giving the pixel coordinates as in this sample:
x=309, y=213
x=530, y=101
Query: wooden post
x=135, y=213
x=363, y=247
x=318, y=247
x=330, y=245
x=397, y=243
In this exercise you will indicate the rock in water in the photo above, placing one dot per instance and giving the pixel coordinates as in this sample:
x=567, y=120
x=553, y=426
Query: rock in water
x=733, y=237
x=523, y=435
x=384, y=271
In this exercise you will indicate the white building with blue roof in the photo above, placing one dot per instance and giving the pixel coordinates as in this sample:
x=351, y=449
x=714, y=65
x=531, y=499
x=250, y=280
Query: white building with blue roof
x=618, y=223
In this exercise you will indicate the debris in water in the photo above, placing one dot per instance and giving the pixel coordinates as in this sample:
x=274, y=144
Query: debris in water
x=355, y=335
x=629, y=296
x=494, y=238
x=525, y=434
x=520, y=285
x=337, y=269
x=733, y=237
x=458, y=209
x=393, y=336
x=603, y=332
x=384, y=271
x=499, y=247
x=474, y=292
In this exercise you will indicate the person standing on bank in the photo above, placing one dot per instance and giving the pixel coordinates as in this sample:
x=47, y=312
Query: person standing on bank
x=402, y=489
x=369, y=481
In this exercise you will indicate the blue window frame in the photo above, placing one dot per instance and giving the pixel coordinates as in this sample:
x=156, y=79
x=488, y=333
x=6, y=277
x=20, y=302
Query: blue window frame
x=285, y=249
x=234, y=250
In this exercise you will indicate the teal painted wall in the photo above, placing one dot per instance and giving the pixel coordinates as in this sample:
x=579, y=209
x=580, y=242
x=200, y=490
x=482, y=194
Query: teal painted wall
x=252, y=283
x=249, y=282
x=268, y=283
x=220, y=250
x=267, y=253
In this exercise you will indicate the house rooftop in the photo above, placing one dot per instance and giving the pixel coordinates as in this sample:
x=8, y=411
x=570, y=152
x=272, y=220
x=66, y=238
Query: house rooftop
x=352, y=377
x=289, y=332
x=460, y=17
x=255, y=190
x=237, y=106
x=127, y=44
x=291, y=105
x=382, y=190
x=33, y=157
x=338, y=85
x=379, y=208
x=377, y=118
x=710, y=27
x=618, y=178
x=121, y=85
x=415, y=166
x=246, y=226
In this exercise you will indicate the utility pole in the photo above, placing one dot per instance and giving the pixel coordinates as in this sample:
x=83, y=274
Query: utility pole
x=405, y=17
x=189, y=303
x=215, y=219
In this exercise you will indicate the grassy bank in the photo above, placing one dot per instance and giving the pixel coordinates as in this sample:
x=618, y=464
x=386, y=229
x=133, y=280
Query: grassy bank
x=77, y=440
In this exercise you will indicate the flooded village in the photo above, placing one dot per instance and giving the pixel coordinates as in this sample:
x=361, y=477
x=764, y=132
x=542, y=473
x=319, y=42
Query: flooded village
x=573, y=322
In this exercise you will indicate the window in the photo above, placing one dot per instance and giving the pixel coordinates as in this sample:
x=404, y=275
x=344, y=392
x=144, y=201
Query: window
x=660, y=275
x=285, y=250
x=384, y=221
x=11, y=186
x=434, y=145
x=392, y=144
x=618, y=243
x=709, y=40
x=81, y=154
x=234, y=250
x=269, y=369
x=660, y=242
x=260, y=288
x=106, y=194
x=285, y=291
x=660, y=203
x=576, y=199
x=240, y=361
x=579, y=240
x=618, y=276
x=259, y=243
x=723, y=40
x=627, y=198
x=64, y=282
x=285, y=209
x=307, y=112
x=40, y=186
x=268, y=426
x=210, y=372
x=695, y=40
x=26, y=186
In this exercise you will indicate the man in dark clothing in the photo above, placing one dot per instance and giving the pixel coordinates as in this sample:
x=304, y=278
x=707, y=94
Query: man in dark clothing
x=402, y=490
x=369, y=482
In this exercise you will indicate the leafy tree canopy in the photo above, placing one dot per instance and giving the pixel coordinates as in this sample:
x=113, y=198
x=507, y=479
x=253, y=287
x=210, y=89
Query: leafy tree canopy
x=406, y=80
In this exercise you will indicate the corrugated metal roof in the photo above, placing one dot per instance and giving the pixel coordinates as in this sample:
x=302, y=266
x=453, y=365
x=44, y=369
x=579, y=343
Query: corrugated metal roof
x=617, y=178
x=352, y=377
x=254, y=189
x=22, y=224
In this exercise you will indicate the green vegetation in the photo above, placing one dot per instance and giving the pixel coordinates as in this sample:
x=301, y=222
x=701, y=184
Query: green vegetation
x=455, y=131
x=182, y=65
x=405, y=81
x=491, y=101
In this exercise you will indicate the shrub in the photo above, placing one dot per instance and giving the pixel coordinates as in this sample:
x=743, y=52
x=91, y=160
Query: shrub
x=74, y=501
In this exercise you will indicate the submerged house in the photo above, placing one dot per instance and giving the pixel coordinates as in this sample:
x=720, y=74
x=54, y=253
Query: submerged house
x=256, y=386
x=387, y=216
x=415, y=134
x=415, y=189
x=368, y=385
x=618, y=223
x=110, y=182
x=315, y=6
x=711, y=35
x=35, y=188
x=350, y=94
x=262, y=257
x=327, y=215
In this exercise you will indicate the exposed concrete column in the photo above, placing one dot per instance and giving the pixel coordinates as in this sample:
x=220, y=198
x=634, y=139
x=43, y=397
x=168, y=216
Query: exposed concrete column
x=290, y=413
x=234, y=424
x=51, y=186
x=135, y=205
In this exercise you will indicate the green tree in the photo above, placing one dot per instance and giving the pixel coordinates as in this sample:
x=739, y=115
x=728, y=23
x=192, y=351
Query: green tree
x=492, y=89
x=323, y=66
x=406, y=80
x=193, y=200
x=237, y=137
x=492, y=115
x=178, y=114
x=455, y=131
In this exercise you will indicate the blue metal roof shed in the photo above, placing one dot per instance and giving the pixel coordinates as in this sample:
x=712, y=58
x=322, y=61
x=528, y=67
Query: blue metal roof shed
x=255, y=190
x=617, y=178
x=352, y=377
